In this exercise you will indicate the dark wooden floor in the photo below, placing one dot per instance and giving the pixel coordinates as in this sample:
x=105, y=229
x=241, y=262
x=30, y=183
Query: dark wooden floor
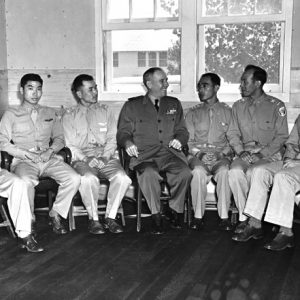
x=178, y=265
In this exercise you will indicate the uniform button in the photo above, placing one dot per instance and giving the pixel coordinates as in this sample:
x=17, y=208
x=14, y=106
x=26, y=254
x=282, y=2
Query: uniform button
x=141, y=121
x=160, y=131
x=159, y=121
x=161, y=142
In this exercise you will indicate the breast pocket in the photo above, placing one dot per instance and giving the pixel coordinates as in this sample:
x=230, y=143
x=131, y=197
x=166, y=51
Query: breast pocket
x=21, y=127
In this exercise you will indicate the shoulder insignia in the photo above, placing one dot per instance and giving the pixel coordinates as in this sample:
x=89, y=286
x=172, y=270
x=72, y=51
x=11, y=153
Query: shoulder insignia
x=135, y=98
x=282, y=111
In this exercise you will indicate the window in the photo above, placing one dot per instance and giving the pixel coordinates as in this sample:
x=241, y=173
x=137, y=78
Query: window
x=152, y=59
x=116, y=59
x=189, y=37
x=141, y=59
x=163, y=59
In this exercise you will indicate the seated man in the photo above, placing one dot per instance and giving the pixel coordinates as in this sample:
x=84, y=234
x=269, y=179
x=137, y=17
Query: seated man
x=257, y=133
x=90, y=131
x=285, y=177
x=15, y=190
x=152, y=130
x=210, y=153
x=25, y=133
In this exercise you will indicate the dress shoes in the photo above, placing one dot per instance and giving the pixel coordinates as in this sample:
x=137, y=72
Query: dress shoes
x=157, y=224
x=197, y=224
x=225, y=225
x=112, y=225
x=249, y=232
x=30, y=244
x=57, y=225
x=280, y=242
x=176, y=219
x=95, y=227
x=241, y=226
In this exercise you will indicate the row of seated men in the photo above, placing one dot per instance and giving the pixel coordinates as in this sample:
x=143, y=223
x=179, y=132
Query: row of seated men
x=240, y=147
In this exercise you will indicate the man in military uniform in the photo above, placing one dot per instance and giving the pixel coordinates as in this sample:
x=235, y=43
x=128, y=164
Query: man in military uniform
x=15, y=190
x=257, y=133
x=210, y=153
x=152, y=130
x=26, y=132
x=285, y=178
x=90, y=133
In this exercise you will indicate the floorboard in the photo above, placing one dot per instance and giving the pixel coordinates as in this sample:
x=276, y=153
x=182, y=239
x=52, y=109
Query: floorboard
x=181, y=264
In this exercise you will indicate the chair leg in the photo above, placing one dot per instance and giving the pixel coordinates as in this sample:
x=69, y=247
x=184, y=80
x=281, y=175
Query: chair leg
x=51, y=196
x=7, y=221
x=139, y=210
x=189, y=207
x=72, y=225
x=121, y=212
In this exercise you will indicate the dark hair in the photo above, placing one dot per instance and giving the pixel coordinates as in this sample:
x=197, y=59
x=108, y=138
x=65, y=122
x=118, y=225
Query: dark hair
x=78, y=81
x=147, y=75
x=259, y=74
x=215, y=79
x=30, y=77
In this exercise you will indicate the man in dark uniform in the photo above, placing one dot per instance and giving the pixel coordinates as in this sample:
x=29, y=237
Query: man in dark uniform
x=210, y=153
x=257, y=133
x=152, y=130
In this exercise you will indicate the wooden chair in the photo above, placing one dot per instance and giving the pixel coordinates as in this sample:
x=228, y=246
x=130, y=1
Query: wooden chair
x=47, y=187
x=6, y=221
x=138, y=195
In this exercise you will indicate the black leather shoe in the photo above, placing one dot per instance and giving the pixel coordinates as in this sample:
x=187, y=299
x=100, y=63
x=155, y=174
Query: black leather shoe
x=176, y=220
x=197, y=224
x=112, y=225
x=157, y=224
x=241, y=226
x=280, y=242
x=30, y=244
x=248, y=233
x=225, y=225
x=95, y=227
x=57, y=225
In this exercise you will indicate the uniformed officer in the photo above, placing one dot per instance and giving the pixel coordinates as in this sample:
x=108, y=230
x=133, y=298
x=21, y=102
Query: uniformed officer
x=15, y=190
x=210, y=153
x=26, y=132
x=285, y=178
x=90, y=132
x=257, y=133
x=152, y=130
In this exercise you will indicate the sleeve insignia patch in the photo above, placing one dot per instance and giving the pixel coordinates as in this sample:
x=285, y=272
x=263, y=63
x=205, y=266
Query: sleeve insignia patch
x=282, y=111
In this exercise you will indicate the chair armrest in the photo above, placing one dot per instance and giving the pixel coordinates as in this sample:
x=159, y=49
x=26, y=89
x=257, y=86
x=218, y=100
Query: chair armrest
x=66, y=155
x=6, y=160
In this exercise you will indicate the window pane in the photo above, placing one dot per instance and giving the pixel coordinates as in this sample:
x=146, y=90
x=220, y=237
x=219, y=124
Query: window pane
x=167, y=9
x=241, y=7
x=115, y=59
x=163, y=59
x=152, y=59
x=132, y=46
x=142, y=9
x=141, y=59
x=268, y=6
x=230, y=47
x=118, y=9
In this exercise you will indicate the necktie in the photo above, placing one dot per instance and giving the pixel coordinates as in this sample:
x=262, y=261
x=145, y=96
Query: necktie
x=156, y=104
x=34, y=116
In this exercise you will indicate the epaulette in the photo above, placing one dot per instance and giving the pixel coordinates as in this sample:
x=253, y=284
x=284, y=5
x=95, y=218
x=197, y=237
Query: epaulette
x=244, y=99
x=195, y=107
x=225, y=105
x=102, y=106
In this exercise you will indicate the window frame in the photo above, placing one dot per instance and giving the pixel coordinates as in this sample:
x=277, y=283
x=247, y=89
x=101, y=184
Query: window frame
x=191, y=23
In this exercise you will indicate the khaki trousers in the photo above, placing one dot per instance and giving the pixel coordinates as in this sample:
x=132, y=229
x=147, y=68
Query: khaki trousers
x=90, y=186
x=15, y=190
x=62, y=173
x=202, y=174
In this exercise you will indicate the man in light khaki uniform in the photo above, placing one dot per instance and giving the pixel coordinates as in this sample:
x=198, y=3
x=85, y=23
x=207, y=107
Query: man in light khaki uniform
x=257, y=133
x=25, y=133
x=90, y=133
x=285, y=178
x=15, y=190
x=210, y=153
